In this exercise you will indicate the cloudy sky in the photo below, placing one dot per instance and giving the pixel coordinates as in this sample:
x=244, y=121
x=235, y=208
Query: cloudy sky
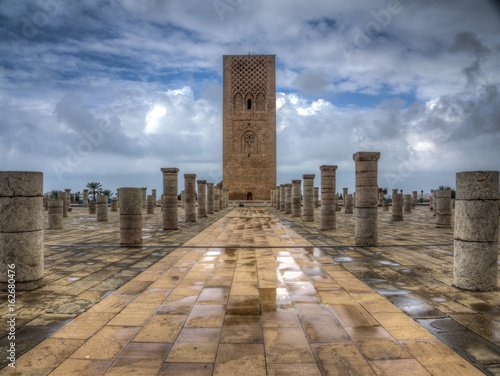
x=111, y=91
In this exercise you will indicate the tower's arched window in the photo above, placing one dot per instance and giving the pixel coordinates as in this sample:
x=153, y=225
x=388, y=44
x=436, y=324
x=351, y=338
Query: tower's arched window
x=249, y=104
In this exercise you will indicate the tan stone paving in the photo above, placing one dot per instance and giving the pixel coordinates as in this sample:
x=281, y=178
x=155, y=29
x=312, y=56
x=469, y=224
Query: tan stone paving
x=247, y=295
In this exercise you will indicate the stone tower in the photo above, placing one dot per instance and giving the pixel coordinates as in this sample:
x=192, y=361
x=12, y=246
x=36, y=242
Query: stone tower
x=249, y=126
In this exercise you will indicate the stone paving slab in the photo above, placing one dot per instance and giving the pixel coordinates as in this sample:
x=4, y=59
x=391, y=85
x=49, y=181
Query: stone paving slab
x=246, y=295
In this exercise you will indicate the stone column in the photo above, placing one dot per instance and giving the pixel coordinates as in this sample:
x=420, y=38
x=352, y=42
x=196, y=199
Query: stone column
x=153, y=193
x=102, y=208
x=216, y=199
x=476, y=230
x=288, y=199
x=170, y=199
x=210, y=198
x=407, y=203
x=92, y=207
x=55, y=214
x=308, y=192
x=118, y=197
x=278, y=197
x=62, y=196
x=68, y=198
x=221, y=198
x=150, y=204
x=190, y=191
x=272, y=197
x=144, y=193
x=21, y=229
x=296, y=198
x=366, y=198
x=183, y=200
x=443, y=208
x=414, y=199
x=349, y=203
x=114, y=205
x=380, y=198
x=397, y=206
x=226, y=197
x=131, y=217
x=85, y=198
x=328, y=198
x=316, y=197
x=202, y=198
x=282, y=197
x=344, y=194
x=385, y=205
x=433, y=202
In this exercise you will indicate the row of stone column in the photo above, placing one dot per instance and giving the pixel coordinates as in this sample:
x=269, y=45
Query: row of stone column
x=211, y=198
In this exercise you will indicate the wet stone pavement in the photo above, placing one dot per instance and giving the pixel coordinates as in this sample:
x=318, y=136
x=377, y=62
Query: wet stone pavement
x=253, y=291
x=413, y=268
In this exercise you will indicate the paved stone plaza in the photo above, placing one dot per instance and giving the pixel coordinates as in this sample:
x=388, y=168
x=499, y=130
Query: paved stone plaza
x=253, y=291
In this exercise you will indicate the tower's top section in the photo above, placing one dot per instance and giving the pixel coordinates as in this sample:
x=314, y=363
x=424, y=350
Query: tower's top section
x=249, y=73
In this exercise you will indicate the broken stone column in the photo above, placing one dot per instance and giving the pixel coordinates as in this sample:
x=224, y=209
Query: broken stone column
x=55, y=214
x=170, y=199
x=68, y=198
x=21, y=230
x=202, y=198
x=476, y=230
x=92, y=207
x=344, y=194
x=216, y=199
x=397, y=206
x=210, y=198
x=308, y=192
x=102, y=208
x=85, y=198
x=278, y=198
x=45, y=203
x=349, y=203
x=433, y=202
x=221, y=198
x=131, y=217
x=407, y=203
x=183, y=200
x=296, y=198
x=150, y=204
x=282, y=197
x=385, y=205
x=144, y=193
x=443, y=208
x=328, y=198
x=114, y=205
x=190, y=191
x=153, y=193
x=380, y=198
x=414, y=199
x=366, y=198
x=288, y=199
x=62, y=196
x=118, y=196
x=316, y=197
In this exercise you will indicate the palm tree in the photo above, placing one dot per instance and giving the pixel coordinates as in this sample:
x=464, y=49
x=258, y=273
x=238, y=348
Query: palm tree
x=94, y=186
x=107, y=192
x=55, y=194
